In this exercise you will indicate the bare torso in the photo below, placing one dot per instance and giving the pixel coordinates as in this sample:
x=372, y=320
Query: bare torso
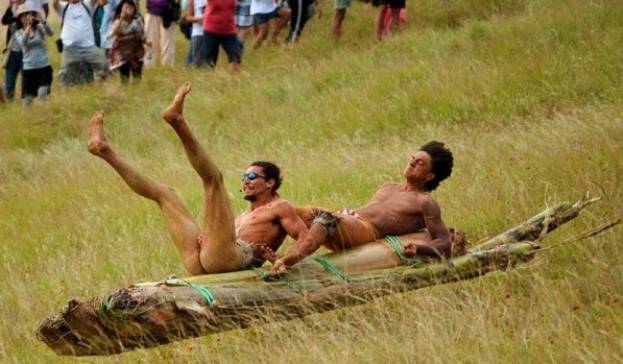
x=393, y=211
x=261, y=226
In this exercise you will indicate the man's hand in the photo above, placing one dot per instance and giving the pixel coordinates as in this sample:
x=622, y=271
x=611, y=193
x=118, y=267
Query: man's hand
x=410, y=250
x=266, y=253
x=278, y=269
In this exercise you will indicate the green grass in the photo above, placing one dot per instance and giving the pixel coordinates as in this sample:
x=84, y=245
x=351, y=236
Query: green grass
x=526, y=93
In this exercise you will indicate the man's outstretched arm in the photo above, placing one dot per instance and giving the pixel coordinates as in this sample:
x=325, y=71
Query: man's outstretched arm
x=441, y=244
x=296, y=228
x=305, y=244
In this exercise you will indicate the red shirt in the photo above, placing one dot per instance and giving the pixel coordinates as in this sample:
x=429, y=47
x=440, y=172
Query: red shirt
x=219, y=17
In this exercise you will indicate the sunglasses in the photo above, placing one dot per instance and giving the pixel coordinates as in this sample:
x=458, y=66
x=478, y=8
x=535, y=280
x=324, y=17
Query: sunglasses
x=251, y=176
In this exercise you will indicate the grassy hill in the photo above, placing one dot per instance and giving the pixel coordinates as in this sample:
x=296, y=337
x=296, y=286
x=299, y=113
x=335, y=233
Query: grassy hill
x=528, y=95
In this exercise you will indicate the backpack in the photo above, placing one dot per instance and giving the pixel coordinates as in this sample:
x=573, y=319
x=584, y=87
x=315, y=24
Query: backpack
x=172, y=13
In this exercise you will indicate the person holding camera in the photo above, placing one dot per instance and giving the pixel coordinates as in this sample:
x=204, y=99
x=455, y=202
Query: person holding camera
x=37, y=72
x=127, y=50
x=77, y=41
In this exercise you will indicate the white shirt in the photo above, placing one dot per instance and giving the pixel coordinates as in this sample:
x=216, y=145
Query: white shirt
x=263, y=6
x=77, y=25
x=197, y=29
x=36, y=4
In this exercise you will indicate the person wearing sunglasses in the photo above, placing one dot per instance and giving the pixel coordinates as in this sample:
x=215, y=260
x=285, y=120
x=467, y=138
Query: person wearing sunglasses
x=221, y=242
x=395, y=209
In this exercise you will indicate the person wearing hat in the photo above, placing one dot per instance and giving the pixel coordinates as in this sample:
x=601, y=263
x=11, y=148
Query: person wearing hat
x=37, y=72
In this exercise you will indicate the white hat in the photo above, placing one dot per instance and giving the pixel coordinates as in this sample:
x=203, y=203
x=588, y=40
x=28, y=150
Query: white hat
x=26, y=8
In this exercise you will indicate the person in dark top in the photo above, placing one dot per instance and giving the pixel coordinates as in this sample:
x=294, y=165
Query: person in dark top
x=13, y=51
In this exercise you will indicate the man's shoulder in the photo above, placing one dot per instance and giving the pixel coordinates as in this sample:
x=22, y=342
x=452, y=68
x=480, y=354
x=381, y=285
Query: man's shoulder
x=281, y=205
x=427, y=203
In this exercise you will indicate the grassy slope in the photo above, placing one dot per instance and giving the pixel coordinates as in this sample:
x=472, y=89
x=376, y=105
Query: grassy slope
x=527, y=94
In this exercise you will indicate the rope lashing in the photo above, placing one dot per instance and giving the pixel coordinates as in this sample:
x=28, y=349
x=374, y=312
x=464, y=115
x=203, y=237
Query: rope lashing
x=329, y=267
x=203, y=290
x=264, y=276
x=396, y=244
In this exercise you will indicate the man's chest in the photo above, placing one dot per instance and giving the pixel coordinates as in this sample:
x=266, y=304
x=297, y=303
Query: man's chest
x=261, y=217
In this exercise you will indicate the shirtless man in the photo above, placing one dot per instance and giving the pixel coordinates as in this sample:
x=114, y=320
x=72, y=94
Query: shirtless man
x=221, y=243
x=395, y=209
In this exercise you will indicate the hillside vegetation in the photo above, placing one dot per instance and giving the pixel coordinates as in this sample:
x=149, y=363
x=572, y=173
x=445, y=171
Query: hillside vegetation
x=527, y=94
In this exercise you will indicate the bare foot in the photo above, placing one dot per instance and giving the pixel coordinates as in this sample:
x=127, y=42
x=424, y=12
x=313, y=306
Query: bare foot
x=175, y=112
x=97, y=143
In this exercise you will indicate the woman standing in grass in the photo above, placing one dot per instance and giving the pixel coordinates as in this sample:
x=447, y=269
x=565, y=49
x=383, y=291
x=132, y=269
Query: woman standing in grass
x=127, y=51
x=13, y=61
x=37, y=72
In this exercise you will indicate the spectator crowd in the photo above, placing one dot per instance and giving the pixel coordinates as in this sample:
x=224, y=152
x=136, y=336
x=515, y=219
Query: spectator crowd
x=98, y=37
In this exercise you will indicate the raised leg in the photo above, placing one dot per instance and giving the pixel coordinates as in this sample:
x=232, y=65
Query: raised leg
x=219, y=253
x=179, y=222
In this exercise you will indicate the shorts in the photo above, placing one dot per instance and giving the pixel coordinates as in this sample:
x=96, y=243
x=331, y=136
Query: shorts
x=34, y=79
x=230, y=43
x=343, y=231
x=341, y=4
x=246, y=248
x=260, y=19
x=197, y=49
x=243, y=14
x=394, y=4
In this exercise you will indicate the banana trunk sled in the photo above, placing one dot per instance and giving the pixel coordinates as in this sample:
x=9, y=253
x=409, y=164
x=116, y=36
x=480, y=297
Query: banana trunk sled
x=154, y=313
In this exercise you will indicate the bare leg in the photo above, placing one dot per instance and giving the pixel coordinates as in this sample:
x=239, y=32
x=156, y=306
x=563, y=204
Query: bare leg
x=178, y=220
x=338, y=18
x=262, y=33
x=234, y=67
x=219, y=253
x=279, y=23
x=395, y=21
x=380, y=19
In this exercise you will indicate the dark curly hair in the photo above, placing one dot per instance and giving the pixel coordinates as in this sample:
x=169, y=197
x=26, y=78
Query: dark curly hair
x=271, y=171
x=442, y=162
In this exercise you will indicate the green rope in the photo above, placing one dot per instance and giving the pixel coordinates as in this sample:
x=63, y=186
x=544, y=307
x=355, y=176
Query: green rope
x=203, y=290
x=261, y=273
x=396, y=245
x=329, y=267
x=264, y=276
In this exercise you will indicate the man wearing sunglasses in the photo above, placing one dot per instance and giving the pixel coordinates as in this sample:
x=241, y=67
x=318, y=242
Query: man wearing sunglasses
x=221, y=243
x=395, y=209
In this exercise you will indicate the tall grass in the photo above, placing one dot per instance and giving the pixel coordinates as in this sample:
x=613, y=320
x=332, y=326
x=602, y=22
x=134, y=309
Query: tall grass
x=526, y=93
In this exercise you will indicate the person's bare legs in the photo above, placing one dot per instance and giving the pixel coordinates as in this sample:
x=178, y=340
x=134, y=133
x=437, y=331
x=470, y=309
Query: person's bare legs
x=179, y=222
x=336, y=27
x=379, y=20
x=395, y=27
x=219, y=253
x=278, y=23
x=260, y=36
